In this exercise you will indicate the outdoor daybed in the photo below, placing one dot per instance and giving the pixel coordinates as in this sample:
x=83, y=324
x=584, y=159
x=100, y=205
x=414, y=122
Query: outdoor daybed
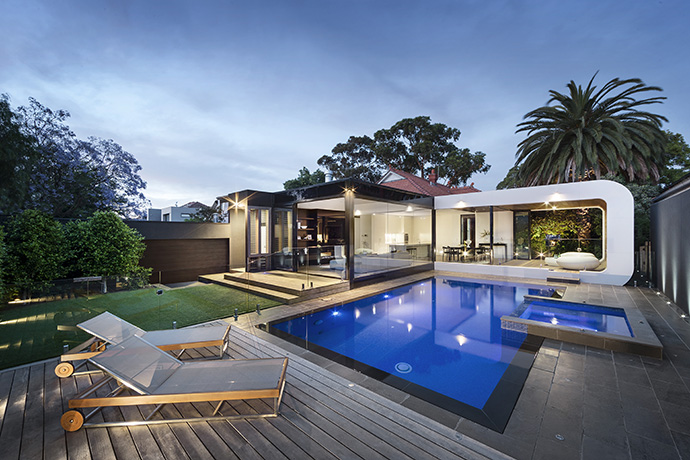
x=107, y=329
x=150, y=376
x=574, y=261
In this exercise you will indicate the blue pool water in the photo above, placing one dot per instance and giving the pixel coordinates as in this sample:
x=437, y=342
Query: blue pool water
x=442, y=334
x=580, y=316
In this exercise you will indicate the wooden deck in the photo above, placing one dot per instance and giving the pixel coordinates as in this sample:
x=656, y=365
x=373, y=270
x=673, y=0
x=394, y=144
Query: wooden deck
x=322, y=416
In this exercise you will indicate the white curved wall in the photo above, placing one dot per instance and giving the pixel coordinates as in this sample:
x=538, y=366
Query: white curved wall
x=618, y=231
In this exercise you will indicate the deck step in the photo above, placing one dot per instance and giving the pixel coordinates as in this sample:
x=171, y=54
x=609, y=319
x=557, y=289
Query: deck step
x=562, y=279
x=273, y=292
x=260, y=291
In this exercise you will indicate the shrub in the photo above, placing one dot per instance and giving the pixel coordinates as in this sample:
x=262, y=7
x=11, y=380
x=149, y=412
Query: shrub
x=35, y=251
x=103, y=245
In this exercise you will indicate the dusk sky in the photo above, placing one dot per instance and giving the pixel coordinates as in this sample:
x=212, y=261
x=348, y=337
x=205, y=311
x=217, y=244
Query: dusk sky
x=218, y=96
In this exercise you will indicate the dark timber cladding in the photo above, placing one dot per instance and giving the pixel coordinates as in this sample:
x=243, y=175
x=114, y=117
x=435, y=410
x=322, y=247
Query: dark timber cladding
x=181, y=251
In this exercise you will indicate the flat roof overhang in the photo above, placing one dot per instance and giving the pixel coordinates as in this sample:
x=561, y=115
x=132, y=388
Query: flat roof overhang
x=324, y=192
x=614, y=198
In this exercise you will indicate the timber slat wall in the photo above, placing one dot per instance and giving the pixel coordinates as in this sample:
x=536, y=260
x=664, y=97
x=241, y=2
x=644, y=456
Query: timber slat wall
x=185, y=259
x=322, y=416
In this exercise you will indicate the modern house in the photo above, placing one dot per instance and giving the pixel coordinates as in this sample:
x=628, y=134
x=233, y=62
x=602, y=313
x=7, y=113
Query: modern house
x=355, y=230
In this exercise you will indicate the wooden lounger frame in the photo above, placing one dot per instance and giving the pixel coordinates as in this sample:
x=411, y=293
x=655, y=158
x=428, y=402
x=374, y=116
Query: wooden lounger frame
x=73, y=420
x=94, y=346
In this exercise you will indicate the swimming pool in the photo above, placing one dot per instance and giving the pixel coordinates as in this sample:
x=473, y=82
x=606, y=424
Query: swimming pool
x=440, y=340
x=577, y=315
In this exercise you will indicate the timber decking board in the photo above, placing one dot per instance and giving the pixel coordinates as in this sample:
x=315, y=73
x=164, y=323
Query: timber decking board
x=32, y=432
x=321, y=417
x=11, y=436
x=341, y=406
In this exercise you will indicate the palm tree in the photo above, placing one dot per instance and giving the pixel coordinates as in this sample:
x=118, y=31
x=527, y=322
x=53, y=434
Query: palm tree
x=588, y=134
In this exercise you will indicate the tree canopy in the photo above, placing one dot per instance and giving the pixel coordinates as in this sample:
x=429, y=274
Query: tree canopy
x=677, y=162
x=305, y=178
x=414, y=145
x=103, y=245
x=35, y=251
x=17, y=157
x=46, y=167
x=589, y=133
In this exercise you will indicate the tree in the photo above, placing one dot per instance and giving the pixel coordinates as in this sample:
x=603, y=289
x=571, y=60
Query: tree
x=16, y=159
x=512, y=179
x=414, y=145
x=677, y=159
x=2, y=265
x=35, y=251
x=61, y=175
x=590, y=133
x=103, y=245
x=115, y=176
x=354, y=158
x=206, y=214
x=305, y=178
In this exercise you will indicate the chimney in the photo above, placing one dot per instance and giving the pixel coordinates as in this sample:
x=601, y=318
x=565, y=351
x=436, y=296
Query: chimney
x=433, y=177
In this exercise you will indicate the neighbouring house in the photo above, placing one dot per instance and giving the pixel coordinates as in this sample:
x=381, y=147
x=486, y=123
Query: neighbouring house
x=409, y=182
x=356, y=230
x=174, y=213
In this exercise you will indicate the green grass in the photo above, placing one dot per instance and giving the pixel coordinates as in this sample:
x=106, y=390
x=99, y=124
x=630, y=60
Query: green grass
x=38, y=331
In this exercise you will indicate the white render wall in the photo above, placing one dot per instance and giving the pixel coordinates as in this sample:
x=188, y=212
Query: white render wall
x=618, y=226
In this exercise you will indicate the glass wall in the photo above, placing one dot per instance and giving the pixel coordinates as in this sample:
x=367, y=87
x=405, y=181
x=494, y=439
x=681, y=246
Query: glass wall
x=390, y=236
x=320, y=239
x=282, y=240
x=465, y=236
x=520, y=236
x=258, y=231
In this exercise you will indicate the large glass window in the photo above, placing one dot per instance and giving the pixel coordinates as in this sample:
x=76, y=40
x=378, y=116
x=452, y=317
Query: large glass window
x=258, y=231
x=474, y=235
x=282, y=230
x=390, y=236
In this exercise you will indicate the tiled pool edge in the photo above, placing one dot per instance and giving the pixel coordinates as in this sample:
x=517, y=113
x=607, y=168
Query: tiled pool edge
x=645, y=342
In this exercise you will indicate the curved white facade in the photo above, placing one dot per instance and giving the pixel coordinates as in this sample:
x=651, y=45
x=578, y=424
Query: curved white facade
x=618, y=238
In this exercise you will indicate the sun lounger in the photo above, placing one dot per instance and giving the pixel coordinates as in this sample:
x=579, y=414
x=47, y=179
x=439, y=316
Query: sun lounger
x=153, y=377
x=107, y=329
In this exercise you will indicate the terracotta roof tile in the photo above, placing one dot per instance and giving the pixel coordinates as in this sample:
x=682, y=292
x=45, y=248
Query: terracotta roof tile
x=416, y=184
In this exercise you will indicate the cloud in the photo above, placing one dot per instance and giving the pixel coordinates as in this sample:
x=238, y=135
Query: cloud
x=215, y=96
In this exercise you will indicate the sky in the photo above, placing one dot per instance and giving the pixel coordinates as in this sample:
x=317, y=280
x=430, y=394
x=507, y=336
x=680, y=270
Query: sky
x=213, y=97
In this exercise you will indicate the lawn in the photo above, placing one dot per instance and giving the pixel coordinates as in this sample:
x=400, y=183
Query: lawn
x=35, y=332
